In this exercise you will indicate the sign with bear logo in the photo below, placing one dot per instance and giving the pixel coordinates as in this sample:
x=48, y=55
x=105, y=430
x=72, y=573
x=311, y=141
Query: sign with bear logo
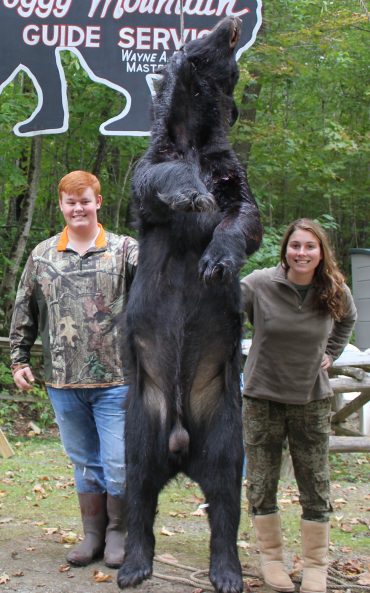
x=120, y=43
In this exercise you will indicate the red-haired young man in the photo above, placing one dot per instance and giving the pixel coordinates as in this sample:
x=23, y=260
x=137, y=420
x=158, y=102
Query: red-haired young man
x=72, y=293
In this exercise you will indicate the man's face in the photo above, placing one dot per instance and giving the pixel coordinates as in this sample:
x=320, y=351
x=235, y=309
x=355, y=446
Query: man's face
x=80, y=211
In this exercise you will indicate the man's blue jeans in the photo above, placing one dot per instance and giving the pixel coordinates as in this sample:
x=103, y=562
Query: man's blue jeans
x=91, y=424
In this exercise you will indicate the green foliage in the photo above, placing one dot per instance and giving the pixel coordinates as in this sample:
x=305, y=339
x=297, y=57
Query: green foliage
x=269, y=253
x=303, y=133
x=38, y=405
x=6, y=377
x=306, y=120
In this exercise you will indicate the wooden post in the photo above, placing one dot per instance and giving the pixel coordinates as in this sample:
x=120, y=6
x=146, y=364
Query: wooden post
x=349, y=444
x=5, y=449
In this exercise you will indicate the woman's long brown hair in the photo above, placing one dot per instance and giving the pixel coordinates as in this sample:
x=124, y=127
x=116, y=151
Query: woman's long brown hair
x=328, y=280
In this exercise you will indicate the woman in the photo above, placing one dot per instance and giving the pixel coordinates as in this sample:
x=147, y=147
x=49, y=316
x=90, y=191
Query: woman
x=303, y=315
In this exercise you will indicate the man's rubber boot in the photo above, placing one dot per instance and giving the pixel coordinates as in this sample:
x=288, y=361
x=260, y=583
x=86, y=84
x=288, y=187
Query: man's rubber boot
x=116, y=531
x=93, y=509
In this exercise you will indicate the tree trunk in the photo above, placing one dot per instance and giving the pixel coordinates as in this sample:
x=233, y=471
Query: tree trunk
x=247, y=116
x=121, y=196
x=8, y=286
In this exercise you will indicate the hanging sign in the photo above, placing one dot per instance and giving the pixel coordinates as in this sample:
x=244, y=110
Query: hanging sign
x=119, y=43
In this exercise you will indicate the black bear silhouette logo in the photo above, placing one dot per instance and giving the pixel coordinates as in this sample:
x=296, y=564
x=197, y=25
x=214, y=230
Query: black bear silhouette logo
x=119, y=43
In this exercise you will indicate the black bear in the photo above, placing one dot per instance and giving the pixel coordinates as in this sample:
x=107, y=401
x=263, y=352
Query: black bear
x=198, y=220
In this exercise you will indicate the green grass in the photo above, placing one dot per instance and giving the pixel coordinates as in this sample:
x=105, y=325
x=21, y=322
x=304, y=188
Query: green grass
x=353, y=467
x=36, y=491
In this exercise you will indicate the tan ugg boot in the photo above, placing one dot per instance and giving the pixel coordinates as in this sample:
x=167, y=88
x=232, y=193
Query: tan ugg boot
x=270, y=544
x=315, y=546
x=116, y=530
x=93, y=507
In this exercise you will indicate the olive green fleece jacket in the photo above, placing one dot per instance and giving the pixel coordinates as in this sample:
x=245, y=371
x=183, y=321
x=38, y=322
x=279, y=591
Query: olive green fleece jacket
x=290, y=339
x=76, y=304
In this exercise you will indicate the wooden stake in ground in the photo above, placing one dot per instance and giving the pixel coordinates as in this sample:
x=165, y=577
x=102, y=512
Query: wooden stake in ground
x=5, y=449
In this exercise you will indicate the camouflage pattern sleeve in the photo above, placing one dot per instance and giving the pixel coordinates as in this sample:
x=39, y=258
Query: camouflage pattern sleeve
x=24, y=324
x=131, y=256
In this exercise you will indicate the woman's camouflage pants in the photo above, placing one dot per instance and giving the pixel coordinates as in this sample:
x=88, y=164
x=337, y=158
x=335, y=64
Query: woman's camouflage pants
x=267, y=425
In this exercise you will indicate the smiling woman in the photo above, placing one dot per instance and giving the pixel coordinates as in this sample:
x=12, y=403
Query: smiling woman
x=303, y=255
x=303, y=315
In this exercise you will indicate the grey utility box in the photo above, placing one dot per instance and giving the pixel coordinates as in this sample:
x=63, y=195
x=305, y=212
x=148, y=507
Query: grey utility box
x=360, y=259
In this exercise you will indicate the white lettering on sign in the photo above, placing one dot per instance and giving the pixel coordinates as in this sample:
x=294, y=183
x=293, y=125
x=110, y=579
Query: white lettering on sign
x=61, y=35
x=199, y=7
x=40, y=8
x=156, y=38
x=146, y=62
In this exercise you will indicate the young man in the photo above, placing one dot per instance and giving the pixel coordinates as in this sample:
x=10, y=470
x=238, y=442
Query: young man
x=73, y=292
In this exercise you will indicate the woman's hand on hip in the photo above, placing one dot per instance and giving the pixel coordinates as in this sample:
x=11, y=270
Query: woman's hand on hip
x=327, y=362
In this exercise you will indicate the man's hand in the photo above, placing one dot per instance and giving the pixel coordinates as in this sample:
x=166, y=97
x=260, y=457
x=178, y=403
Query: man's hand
x=24, y=379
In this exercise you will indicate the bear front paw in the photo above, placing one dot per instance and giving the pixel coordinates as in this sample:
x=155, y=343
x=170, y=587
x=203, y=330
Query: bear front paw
x=189, y=201
x=216, y=270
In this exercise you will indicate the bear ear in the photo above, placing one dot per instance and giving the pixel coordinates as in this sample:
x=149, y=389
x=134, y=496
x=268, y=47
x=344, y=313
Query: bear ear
x=234, y=114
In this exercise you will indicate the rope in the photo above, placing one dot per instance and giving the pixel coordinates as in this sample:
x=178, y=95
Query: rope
x=335, y=578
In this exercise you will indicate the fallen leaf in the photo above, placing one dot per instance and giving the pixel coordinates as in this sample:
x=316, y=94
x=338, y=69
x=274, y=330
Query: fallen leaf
x=364, y=579
x=297, y=566
x=254, y=582
x=199, y=513
x=100, y=577
x=165, y=531
x=350, y=567
x=4, y=578
x=69, y=538
x=194, y=499
x=39, y=491
x=20, y=573
x=36, y=429
x=340, y=501
x=243, y=544
x=6, y=520
x=64, y=567
x=50, y=530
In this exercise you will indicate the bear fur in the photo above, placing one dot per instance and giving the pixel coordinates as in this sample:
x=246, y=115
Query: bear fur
x=198, y=221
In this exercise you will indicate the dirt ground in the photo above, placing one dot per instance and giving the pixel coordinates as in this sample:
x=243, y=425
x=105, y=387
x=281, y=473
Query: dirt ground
x=36, y=564
x=32, y=550
x=33, y=559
